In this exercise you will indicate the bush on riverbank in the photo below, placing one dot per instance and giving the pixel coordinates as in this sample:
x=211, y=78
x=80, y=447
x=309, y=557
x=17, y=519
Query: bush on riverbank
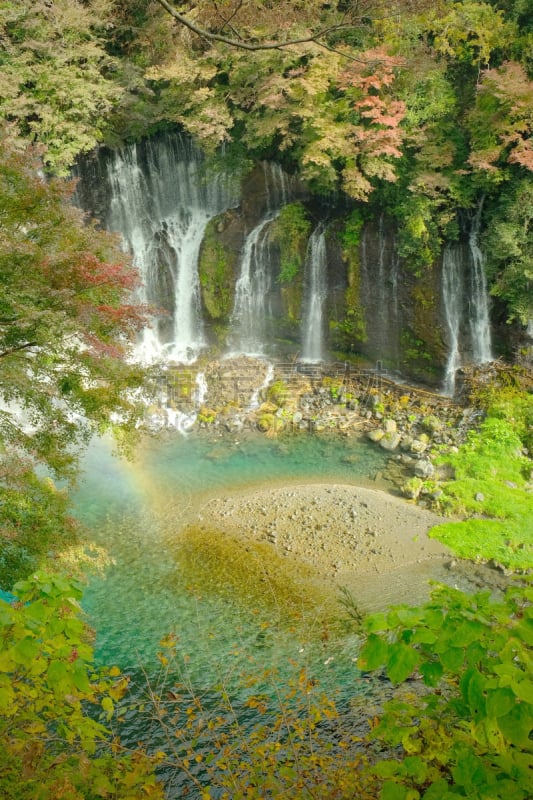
x=493, y=486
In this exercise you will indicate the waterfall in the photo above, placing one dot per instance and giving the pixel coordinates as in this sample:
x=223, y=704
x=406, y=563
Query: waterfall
x=380, y=265
x=466, y=305
x=252, y=309
x=479, y=298
x=250, y=312
x=313, y=318
x=452, y=290
x=161, y=198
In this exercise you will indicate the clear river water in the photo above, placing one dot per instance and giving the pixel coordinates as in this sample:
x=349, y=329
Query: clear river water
x=136, y=511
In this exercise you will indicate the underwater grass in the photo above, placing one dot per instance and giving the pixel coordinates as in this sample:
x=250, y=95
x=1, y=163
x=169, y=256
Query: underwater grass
x=254, y=574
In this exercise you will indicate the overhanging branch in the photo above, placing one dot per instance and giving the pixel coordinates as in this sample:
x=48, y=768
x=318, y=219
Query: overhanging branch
x=11, y=350
x=244, y=45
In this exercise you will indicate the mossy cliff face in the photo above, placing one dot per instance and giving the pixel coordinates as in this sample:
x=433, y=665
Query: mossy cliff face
x=383, y=311
x=379, y=307
x=219, y=264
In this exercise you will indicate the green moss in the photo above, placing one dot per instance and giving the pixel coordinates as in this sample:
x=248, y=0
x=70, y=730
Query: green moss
x=278, y=393
x=352, y=325
x=290, y=230
x=216, y=273
x=504, y=542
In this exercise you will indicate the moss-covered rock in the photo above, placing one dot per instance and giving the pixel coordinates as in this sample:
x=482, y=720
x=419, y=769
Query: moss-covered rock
x=218, y=264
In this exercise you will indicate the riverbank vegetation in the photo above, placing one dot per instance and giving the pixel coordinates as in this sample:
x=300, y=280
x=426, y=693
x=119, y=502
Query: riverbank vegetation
x=492, y=482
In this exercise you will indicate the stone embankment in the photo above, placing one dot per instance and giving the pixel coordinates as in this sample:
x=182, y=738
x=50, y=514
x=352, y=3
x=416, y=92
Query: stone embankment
x=412, y=424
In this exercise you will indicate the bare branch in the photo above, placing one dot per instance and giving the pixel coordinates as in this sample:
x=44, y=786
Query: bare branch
x=243, y=45
x=12, y=350
x=227, y=22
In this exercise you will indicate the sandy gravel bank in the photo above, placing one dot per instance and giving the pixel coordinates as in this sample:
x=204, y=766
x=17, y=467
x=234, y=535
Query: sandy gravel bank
x=375, y=544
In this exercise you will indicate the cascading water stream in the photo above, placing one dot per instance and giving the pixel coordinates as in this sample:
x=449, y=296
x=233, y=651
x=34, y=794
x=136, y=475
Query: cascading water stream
x=252, y=307
x=379, y=274
x=452, y=289
x=313, y=317
x=250, y=311
x=466, y=305
x=161, y=199
x=479, y=298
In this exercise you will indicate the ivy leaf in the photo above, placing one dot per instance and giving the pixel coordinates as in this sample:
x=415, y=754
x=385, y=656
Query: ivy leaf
x=500, y=702
x=432, y=672
x=516, y=726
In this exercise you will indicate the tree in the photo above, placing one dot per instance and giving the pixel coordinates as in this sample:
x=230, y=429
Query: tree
x=51, y=747
x=64, y=336
x=467, y=733
x=55, y=86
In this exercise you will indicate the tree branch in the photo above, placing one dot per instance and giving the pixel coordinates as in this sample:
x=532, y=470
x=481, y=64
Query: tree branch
x=243, y=45
x=11, y=350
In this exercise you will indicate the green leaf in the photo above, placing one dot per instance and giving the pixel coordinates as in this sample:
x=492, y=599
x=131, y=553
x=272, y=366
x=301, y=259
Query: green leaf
x=402, y=661
x=25, y=650
x=523, y=690
x=500, y=702
x=374, y=653
x=524, y=630
x=452, y=659
x=517, y=724
x=376, y=623
x=416, y=768
x=424, y=636
x=6, y=697
x=393, y=791
x=57, y=673
x=432, y=672
x=108, y=706
x=473, y=688
x=79, y=676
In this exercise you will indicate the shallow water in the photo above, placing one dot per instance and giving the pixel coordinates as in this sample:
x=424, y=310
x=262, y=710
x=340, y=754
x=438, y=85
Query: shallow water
x=136, y=511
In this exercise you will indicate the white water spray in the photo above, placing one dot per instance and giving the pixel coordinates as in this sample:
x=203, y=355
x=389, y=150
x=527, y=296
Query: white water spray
x=313, y=317
x=161, y=201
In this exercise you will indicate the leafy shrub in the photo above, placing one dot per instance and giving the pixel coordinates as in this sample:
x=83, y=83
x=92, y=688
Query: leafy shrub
x=468, y=734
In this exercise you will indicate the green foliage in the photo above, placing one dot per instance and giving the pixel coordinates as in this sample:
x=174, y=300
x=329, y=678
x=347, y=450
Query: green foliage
x=50, y=745
x=34, y=521
x=54, y=88
x=419, y=238
x=353, y=323
x=64, y=334
x=505, y=400
x=490, y=484
x=508, y=243
x=468, y=734
x=290, y=230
